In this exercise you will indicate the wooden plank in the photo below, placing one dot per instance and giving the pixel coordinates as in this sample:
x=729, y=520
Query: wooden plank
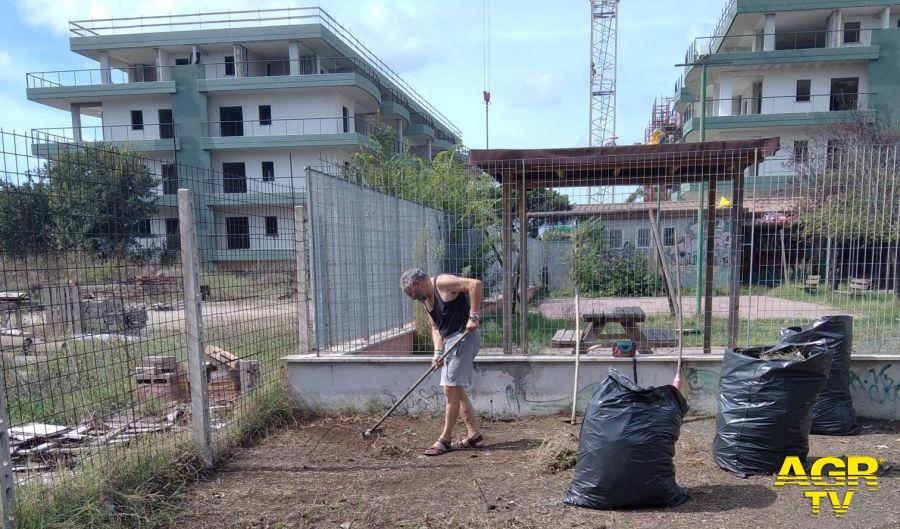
x=193, y=313
x=657, y=244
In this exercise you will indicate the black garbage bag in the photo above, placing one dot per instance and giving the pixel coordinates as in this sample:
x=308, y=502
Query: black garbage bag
x=833, y=412
x=627, y=445
x=766, y=395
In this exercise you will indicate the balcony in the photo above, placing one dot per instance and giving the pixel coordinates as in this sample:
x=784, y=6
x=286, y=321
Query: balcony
x=780, y=47
x=305, y=132
x=61, y=88
x=146, y=138
x=91, y=36
x=305, y=72
x=778, y=111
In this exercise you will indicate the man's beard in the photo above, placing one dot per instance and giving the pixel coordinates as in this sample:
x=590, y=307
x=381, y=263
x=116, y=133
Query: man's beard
x=422, y=297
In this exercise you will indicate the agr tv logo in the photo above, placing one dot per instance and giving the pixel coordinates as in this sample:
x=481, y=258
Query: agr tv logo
x=826, y=476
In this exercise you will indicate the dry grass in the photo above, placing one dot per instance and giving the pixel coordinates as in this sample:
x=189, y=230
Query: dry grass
x=558, y=452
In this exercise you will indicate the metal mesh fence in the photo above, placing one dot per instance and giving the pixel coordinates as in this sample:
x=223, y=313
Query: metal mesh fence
x=810, y=233
x=116, y=349
x=146, y=303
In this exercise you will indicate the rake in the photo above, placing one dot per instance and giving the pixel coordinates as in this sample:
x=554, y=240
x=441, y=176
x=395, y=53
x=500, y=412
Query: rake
x=371, y=431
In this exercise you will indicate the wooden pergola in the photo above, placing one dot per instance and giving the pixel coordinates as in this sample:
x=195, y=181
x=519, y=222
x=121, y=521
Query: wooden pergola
x=518, y=170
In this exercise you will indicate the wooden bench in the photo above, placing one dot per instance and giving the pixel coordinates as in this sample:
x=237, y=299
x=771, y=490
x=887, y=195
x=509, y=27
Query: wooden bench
x=629, y=318
x=857, y=287
x=812, y=283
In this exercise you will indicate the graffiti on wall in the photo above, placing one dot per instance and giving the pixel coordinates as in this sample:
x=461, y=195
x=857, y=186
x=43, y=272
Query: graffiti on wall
x=687, y=247
x=516, y=399
x=877, y=384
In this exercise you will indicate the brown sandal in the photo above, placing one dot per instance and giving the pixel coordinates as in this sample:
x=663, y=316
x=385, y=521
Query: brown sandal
x=441, y=447
x=468, y=443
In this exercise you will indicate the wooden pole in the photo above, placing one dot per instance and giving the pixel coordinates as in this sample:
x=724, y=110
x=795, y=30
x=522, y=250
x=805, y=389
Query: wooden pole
x=506, y=242
x=523, y=265
x=737, y=256
x=193, y=320
x=710, y=262
x=577, y=352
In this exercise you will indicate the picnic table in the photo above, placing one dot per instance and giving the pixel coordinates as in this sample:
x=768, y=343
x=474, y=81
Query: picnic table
x=11, y=305
x=629, y=318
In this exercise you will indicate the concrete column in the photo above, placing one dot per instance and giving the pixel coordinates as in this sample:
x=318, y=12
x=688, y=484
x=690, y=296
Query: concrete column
x=76, y=121
x=725, y=94
x=294, y=56
x=428, y=148
x=769, y=32
x=885, y=17
x=837, y=36
x=399, y=131
x=104, y=67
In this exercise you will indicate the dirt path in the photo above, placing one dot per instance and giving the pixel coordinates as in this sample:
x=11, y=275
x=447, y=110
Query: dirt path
x=322, y=475
x=752, y=307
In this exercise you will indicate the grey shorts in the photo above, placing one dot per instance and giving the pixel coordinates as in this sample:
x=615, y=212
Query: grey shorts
x=457, y=370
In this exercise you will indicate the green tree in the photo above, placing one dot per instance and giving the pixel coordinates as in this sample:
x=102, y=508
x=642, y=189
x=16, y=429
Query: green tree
x=25, y=219
x=603, y=271
x=99, y=198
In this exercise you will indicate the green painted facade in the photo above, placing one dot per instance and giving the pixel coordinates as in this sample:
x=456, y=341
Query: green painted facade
x=884, y=74
x=752, y=121
x=190, y=111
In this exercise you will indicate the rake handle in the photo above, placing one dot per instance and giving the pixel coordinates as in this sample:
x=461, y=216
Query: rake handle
x=414, y=386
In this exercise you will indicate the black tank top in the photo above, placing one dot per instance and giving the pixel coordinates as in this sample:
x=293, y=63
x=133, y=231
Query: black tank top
x=450, y=316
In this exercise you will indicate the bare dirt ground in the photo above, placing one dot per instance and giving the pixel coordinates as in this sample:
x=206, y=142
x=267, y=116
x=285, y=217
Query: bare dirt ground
x=225, y=313
x=321, y=474
x=752, y=307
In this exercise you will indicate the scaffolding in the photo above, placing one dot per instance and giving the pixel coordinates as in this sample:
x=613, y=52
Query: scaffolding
x=664, y=119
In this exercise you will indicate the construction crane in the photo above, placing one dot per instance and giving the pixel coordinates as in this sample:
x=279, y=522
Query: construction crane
x=604, y=24
x=602, y=114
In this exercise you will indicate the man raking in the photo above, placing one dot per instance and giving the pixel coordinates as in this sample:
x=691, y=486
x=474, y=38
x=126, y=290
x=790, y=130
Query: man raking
x=452, y=304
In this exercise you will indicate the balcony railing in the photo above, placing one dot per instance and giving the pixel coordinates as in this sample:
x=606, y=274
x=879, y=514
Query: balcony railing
x=747, y=106
x=782, y=40
x=100, y=133
x=252, y=18
x=98, y=76
x=289, y=127
x=281, y=67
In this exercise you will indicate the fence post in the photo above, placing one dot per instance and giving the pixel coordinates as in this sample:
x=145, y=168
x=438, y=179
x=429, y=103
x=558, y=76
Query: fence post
x=302, y=259
x=190, y=269
x=7, y=478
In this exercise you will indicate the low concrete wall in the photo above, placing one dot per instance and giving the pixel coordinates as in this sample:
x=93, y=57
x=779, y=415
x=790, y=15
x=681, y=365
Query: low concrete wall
x=533, y=385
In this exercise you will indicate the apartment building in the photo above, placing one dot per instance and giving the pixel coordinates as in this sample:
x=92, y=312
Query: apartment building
x=253, y=98
x=790, y=69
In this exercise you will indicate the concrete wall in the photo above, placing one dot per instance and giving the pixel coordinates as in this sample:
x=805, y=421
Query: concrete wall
x=117, y=118
x=559, y=252
x=290, y=166
x=537, y=385
x=256, y=218
x=286, y=106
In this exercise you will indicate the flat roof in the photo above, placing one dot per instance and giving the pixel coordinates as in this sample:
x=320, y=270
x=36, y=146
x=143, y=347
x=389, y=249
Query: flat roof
x=668, y=163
